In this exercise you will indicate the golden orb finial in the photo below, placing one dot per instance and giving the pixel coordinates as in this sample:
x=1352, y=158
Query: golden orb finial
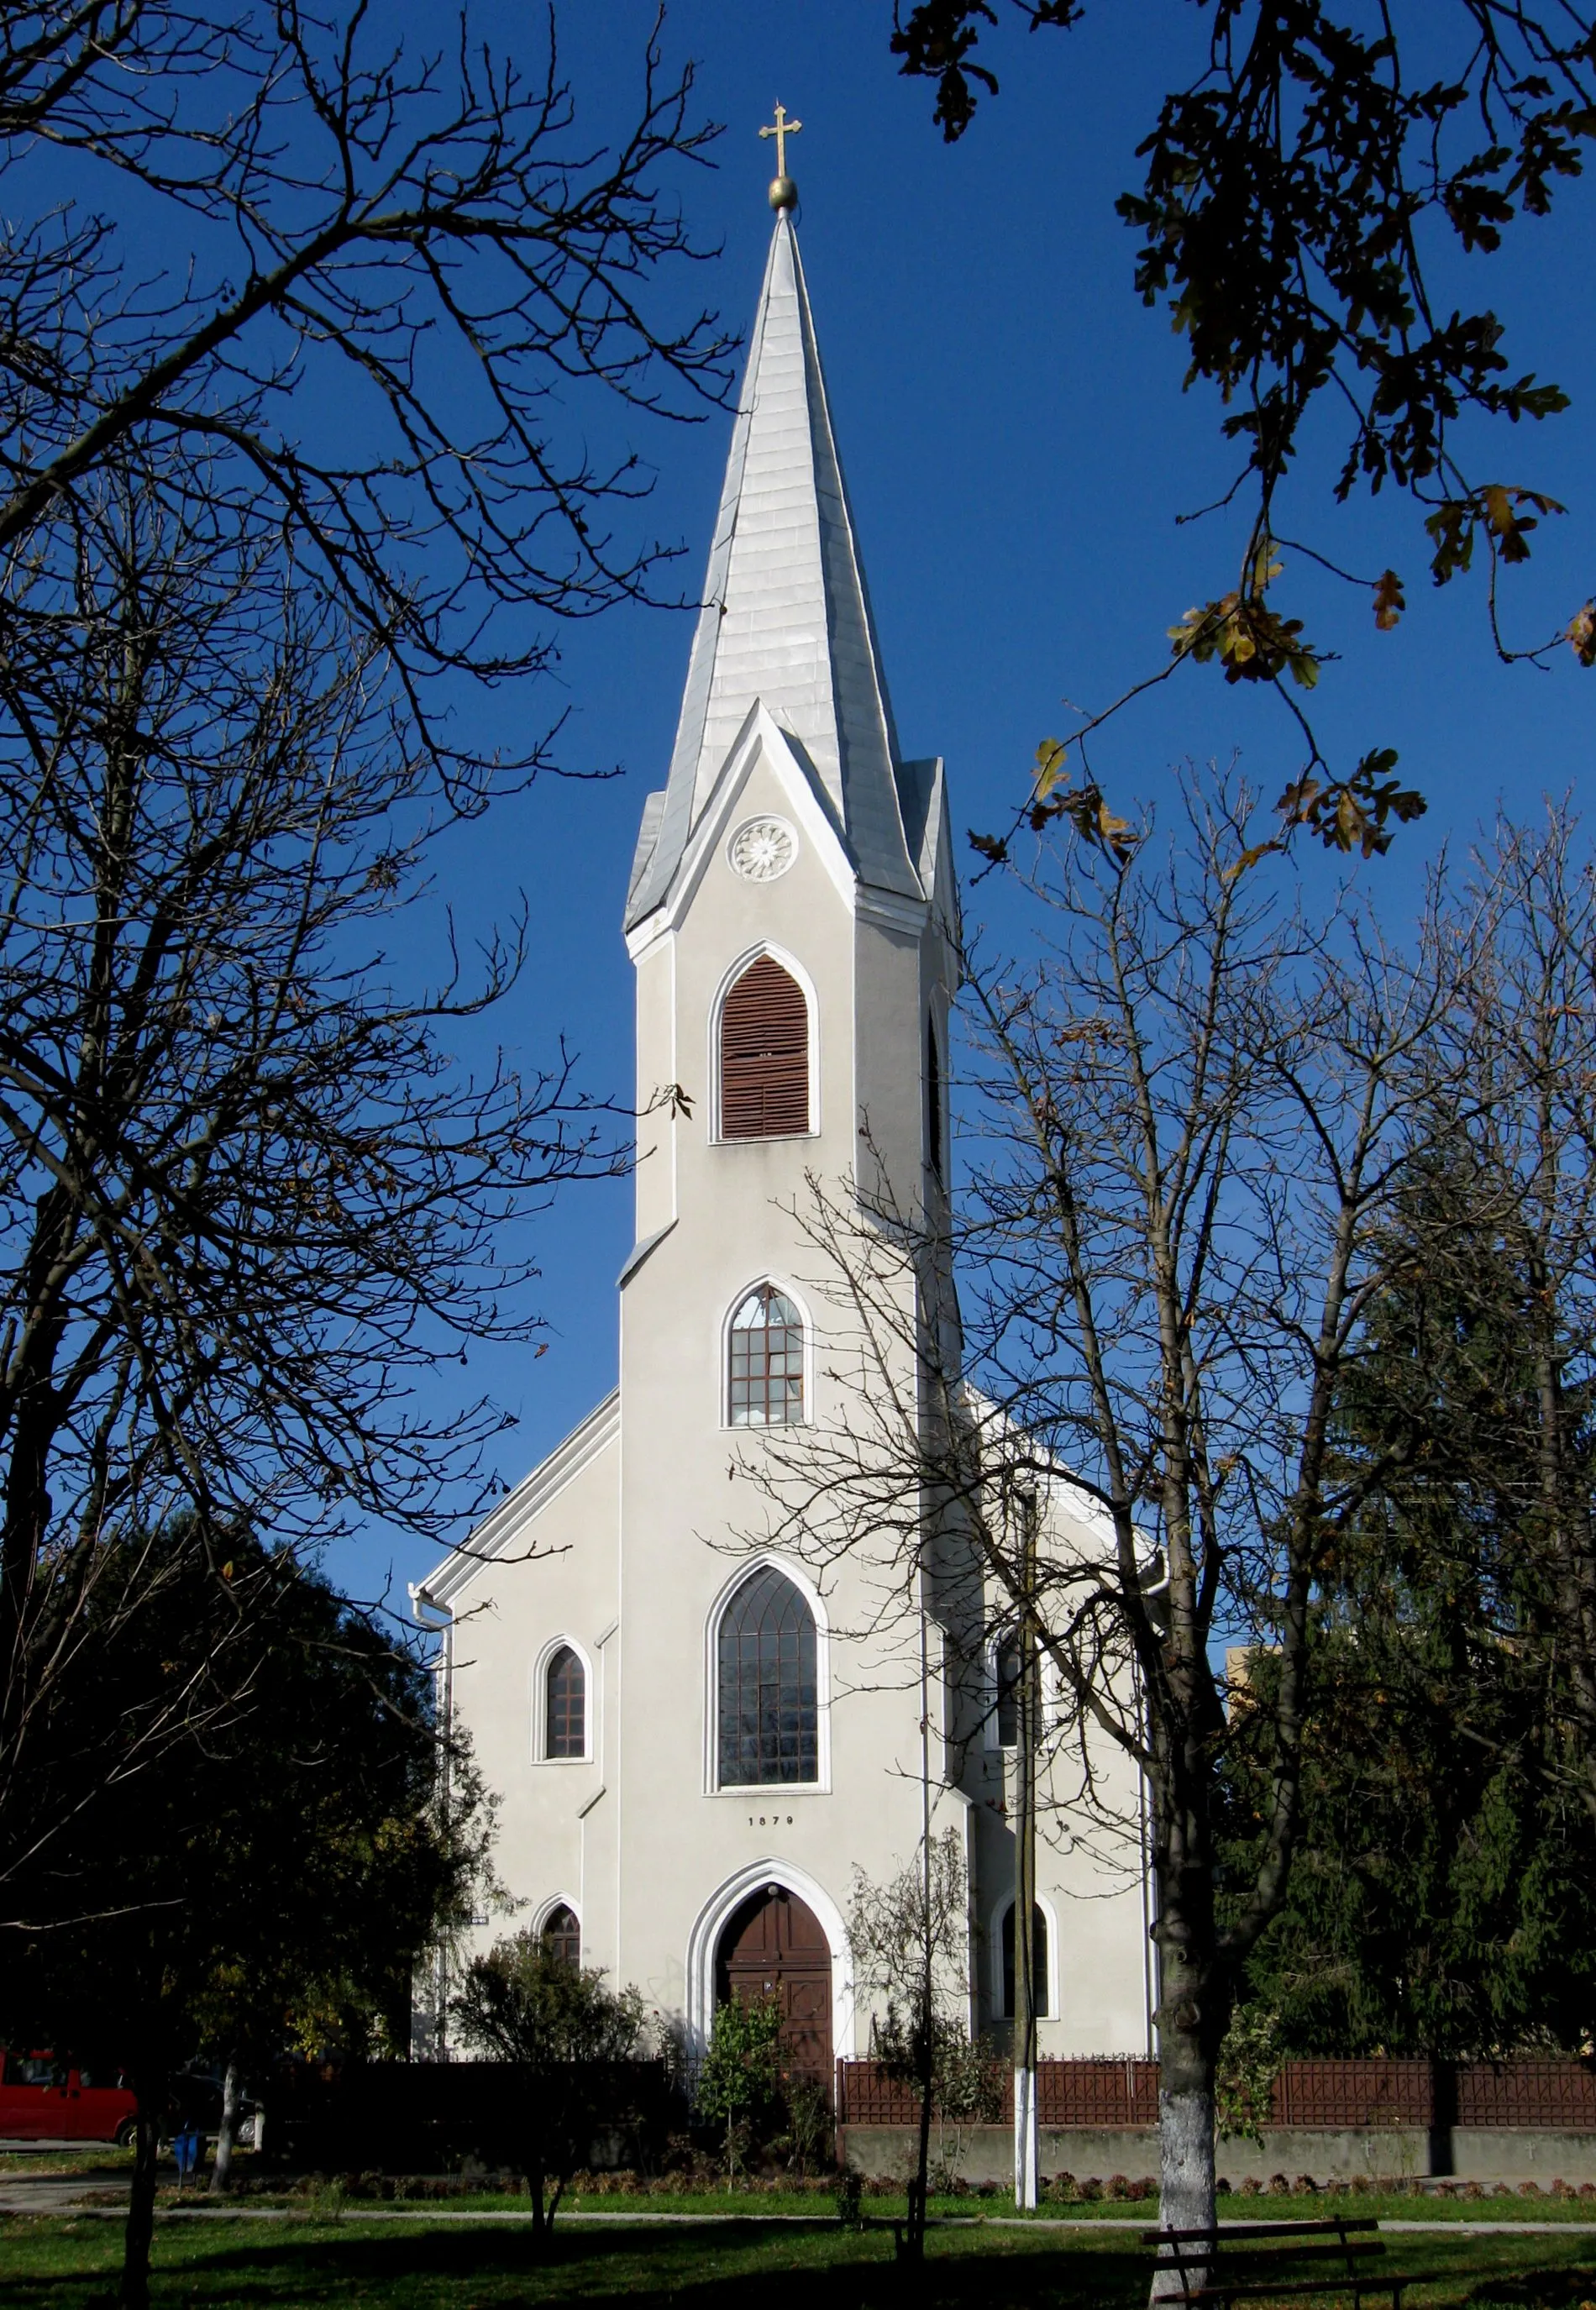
x=783, y=192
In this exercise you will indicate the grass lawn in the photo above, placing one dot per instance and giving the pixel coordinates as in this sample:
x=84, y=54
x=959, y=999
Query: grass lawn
x=1325, y=2204
x=88, y=2158
x=50, y=2264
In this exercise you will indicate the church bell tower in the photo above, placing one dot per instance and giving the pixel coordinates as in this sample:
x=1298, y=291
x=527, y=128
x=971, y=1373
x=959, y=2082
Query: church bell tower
x=792, y=917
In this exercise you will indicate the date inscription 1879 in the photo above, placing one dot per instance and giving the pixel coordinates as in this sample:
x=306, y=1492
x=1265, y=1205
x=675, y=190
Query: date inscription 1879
x=770, y=1820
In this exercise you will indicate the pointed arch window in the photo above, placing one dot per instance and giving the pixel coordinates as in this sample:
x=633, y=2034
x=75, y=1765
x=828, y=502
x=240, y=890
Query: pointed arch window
x=764, y=1055
x=765, y=1361
x=934, y=1099
x=767, y=1684
x=1005, y=1664
x=565, y=1705
x=562, y=1936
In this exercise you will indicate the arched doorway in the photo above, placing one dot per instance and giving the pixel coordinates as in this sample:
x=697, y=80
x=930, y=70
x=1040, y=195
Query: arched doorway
x=773, y=1946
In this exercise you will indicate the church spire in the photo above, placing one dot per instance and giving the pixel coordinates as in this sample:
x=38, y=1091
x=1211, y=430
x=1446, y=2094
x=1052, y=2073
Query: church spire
x=786, y=620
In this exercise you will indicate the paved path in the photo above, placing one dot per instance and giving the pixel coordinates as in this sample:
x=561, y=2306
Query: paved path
x=59, y=2194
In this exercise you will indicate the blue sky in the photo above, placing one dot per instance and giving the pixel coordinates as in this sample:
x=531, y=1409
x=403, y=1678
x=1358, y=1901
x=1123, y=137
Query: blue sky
x=1017, y=446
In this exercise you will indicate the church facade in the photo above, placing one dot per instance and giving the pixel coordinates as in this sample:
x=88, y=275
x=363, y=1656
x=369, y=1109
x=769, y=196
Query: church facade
x=698, y=1734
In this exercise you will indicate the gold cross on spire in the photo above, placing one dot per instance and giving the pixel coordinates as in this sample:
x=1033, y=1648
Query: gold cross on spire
x=783, y=129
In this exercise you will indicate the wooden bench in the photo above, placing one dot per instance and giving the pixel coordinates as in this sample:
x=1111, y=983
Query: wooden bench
x=1256, y=2261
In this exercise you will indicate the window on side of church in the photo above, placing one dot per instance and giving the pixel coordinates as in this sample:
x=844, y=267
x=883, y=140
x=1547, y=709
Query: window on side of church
x=562, y=1936
x=1038, y=1962
x=766, y=1685
x=934, y=1099
x=1006, y=1676
x=565, y=1706
x=765, y=1361
x=764, y=1055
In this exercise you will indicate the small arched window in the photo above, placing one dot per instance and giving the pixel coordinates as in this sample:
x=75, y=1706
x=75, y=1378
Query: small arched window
x=765, y=1685
x=565, y=1706
x=764, y=1055
x=1038, y=1962
x=562, y=1936
x=765, y=1361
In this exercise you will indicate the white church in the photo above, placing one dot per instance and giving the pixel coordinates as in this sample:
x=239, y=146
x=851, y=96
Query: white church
x=696, y=1739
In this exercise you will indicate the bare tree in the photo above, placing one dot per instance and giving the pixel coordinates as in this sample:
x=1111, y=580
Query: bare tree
x=360, y=277
x=247, y=1197
x=909, y=1938
x=1198, y=1109
x=290, y=317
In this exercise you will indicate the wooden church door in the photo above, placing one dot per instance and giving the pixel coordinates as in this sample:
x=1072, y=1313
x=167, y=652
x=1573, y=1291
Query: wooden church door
x=774, y=1947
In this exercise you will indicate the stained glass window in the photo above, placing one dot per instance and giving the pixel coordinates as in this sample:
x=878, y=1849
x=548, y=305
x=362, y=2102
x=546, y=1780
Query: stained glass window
x=765, y=1380
x=769, y=1717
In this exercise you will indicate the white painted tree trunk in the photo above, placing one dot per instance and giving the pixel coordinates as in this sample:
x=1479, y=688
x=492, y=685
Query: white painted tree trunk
x=1186, y=2158
x=1185, y=2172
x=227, y=2132
x=1026, y=2142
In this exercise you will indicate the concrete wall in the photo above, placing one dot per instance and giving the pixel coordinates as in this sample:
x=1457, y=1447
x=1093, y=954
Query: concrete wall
x=985, y=2153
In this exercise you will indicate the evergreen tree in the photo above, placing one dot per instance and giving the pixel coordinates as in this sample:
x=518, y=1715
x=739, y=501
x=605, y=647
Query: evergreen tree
x=1443, y=1894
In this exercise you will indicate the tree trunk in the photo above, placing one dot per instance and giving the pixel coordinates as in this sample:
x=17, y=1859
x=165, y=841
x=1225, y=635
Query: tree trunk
x=1185, y=2151
x=140, y=2196
x=1187, y=2049
x=534, y=2191
x=913, y=2233
x=227, y=2132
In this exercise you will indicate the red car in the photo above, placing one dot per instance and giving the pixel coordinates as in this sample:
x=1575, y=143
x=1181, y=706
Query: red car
x=43, y=2100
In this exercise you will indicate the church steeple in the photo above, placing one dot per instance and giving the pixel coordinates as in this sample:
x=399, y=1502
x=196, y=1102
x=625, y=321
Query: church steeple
x=786, y=620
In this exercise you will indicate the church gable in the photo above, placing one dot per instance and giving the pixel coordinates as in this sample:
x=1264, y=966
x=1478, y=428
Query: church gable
x=764, y=771
x=533, y=1518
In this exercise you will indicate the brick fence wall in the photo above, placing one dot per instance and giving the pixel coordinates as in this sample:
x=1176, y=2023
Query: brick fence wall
x=1558, y=2093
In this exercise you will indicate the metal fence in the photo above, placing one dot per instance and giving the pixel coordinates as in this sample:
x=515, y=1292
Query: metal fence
x=1110, y=2092
x=1557, y=2093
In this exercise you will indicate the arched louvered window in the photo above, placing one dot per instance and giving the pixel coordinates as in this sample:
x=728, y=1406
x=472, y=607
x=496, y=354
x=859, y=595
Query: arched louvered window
x=1038, y=1962
x=765, y=1684
x=933, y=1098
x=565, y=1711
x=562, y=1936
x=765, y=1361
x=764, y=1055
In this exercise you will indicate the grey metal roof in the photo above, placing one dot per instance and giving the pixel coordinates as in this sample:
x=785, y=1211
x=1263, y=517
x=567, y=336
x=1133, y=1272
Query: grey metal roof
x=786, y=617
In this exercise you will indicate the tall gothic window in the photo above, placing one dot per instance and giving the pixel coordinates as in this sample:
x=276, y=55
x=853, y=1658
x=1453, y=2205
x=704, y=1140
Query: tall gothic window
x=1006, y=1676
x=764, y=1055
x=765, y=1361
x=562, y=1936
x=1038, y=1962
x=768, y=1706
x=933, y=1098
x=565, y=1706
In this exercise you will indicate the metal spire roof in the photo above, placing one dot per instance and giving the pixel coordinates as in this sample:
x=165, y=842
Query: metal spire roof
x=787, y=620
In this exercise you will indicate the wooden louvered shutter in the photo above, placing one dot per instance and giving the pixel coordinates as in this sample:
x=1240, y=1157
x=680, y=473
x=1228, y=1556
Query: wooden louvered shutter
x=764, y=1055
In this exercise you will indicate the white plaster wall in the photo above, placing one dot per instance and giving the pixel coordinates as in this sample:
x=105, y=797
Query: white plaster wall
x=555, y=1579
